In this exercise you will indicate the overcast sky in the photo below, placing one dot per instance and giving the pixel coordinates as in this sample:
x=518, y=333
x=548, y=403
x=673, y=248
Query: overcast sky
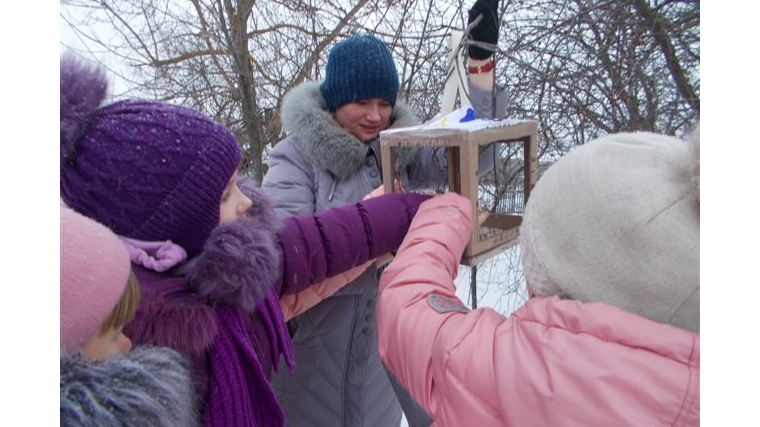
x=83, y=42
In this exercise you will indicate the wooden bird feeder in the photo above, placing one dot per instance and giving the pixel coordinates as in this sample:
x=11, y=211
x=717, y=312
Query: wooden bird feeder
x=462, y=143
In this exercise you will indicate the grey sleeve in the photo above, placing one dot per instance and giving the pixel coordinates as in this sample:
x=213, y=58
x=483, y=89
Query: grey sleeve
x=483, y=102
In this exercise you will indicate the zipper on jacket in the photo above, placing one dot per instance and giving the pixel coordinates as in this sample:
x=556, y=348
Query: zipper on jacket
x=332, y=189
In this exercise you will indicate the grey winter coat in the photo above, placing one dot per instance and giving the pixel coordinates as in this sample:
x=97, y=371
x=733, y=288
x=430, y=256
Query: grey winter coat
x=148, y=387
x=339, y=379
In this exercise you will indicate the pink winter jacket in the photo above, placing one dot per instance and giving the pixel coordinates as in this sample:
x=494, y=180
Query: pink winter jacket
x=553, y=362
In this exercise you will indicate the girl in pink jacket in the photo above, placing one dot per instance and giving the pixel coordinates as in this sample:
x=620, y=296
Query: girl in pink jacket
x=610, y=335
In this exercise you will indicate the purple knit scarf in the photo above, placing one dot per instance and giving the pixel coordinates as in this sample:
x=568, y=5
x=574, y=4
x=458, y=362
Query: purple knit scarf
x=240, y=394
x=279, y=337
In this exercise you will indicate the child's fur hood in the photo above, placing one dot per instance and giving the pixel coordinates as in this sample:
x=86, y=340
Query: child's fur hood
x=328, y=145
x=239, y=264
x=149, y=386
x=240, y=260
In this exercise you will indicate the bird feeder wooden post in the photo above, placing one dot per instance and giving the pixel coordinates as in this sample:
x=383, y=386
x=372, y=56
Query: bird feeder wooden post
x=462, y=143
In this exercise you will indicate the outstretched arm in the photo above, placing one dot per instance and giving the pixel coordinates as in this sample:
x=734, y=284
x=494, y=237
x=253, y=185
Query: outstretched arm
x=315, y=247
x=295, y=304
x=418, y=308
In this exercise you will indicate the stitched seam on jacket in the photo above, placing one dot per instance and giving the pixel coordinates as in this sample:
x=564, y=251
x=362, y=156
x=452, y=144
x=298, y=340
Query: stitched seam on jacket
x=688, y=401
x=325, y=243
x=346, y=363
x=367, y=229
x=463, y=385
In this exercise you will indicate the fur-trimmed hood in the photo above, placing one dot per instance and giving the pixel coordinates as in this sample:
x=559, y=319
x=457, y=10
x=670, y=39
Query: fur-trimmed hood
x=239, y=266
x=149, y=386
x=328, y=145
x=221, y=310
x=240, y=260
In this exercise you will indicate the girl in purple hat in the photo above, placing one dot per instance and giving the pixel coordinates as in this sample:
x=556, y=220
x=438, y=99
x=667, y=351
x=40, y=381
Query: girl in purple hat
x=211, y=257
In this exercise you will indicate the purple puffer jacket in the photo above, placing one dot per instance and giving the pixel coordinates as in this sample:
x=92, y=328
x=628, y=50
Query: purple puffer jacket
x=221, y=308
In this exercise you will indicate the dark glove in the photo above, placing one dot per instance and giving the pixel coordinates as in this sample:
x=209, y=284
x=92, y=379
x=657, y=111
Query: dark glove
x=487, y=30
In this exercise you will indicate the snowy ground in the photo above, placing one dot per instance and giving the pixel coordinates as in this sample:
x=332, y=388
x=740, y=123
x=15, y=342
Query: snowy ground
x=500, y=283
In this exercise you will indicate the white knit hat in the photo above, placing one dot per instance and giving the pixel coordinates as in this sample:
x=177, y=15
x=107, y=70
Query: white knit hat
x=617, y=221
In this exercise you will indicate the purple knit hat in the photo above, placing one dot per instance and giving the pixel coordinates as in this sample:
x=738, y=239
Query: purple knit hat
x=147, y=170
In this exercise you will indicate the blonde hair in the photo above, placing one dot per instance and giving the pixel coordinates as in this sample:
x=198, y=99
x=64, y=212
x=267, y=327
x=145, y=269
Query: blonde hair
x=125, y=308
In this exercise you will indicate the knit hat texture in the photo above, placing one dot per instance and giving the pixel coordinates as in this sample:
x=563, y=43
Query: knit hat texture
x=617, y=221
x=359, y=67
x=148, y=170
x=94, y=271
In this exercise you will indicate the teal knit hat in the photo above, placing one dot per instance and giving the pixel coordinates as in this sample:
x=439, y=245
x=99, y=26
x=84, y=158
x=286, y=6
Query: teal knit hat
x=359, y=67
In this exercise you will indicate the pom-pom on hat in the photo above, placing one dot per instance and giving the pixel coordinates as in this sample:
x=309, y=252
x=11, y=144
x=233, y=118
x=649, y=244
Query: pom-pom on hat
x=94, y=271
x=148, y=170
x=617, y=221
x=359, y=67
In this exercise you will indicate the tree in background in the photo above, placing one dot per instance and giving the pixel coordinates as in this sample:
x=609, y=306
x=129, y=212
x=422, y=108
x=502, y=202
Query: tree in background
x=581, y=68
